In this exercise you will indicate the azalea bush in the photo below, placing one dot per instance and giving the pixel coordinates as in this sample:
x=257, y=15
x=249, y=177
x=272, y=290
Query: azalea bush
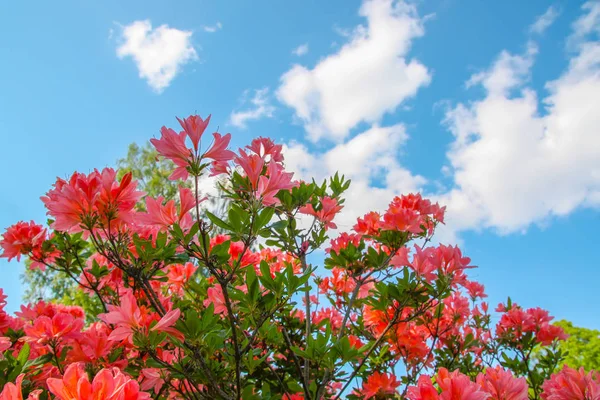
x=234, y=305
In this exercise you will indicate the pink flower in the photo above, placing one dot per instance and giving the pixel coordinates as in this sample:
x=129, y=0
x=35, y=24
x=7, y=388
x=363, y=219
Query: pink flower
x=5, y=343
x=277, y=180
x=60, y=326
x=327, y=212
x=92, y=345
x=502, y=385
x=152, y=379
x=423, y=391
x=252, y=165
x=572, y=384
x=215, y=297
x=164, y=216
x=166, y=324
x=475, y=289
x=126, y=317
x=264, y=147
x=194, y=126
x=218, y=151
x=171, y=145
x=455, y=386
x=97, y=195
x=516, y=321
x=13, y=391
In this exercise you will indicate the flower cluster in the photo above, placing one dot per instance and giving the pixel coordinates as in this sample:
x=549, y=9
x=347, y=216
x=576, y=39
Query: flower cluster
x=193, y=305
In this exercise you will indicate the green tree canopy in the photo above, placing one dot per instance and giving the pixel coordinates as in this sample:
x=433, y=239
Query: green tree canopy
x=582, y=347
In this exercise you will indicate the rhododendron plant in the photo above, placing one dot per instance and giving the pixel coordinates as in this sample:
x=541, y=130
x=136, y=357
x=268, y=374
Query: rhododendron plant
x=233, y=306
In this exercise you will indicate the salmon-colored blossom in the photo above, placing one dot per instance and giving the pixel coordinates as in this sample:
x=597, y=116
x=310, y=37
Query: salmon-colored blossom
x=179, y=274
x=60, y=326
x=96, y=197
x=252, y=165
x=26, y=238
x=516, y=321
x=152, y=378
x=326, y=213
x=164, y=216
x=265, y=147
x=194, y=126
x=278, y=180
x=572, y=384
x=457, y=386
x=5, y=343
x=214, y=296
x=502, y=385
x=378, y=384
x=108, y=384
x=127, y=317
x=369, y=224
x=14, y=391
x=218, y=151
x=424, y=390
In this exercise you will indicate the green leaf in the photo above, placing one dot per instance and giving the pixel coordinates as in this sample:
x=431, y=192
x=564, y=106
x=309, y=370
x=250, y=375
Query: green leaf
x=218, y=221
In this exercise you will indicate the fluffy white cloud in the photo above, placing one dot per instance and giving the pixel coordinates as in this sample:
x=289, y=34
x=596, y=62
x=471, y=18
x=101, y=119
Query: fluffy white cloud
x=544, y=21
x=367, y=77
x=158, y=53
x=213, y=28
x=370, y=160
x=301, y=50
x=516, y=163
x=260, y=107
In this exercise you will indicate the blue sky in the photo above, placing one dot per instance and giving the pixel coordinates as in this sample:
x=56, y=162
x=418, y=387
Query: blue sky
x=492, y=108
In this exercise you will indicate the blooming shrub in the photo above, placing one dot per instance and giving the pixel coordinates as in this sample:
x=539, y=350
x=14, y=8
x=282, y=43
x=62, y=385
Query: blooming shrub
x=205, y=306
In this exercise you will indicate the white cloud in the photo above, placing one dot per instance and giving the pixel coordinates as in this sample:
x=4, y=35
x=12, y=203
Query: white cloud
x=261, y=107
x=544, y=21
x=515, y=164
x=370, y=160
x=213, y=28
x=301, y=50
x=158, y=53
x=366, y=78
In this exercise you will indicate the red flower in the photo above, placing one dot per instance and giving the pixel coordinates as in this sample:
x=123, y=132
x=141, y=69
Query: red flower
x=23, y=238
x=379, y=384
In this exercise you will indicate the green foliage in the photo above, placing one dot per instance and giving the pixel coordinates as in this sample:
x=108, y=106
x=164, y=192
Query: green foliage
x=582, y=348
x=151, y=172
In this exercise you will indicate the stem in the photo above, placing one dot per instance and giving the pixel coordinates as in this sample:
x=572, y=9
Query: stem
x=286, y=336
x=307, y=318
x=236, y=348
x=375, y=345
